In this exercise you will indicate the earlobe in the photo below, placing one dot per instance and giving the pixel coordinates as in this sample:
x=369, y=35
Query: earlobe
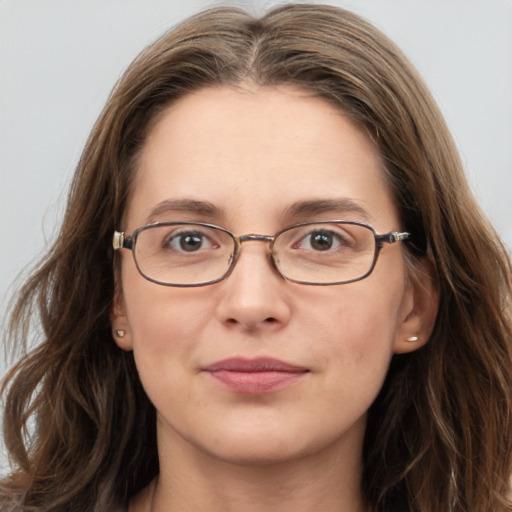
x=119, y=322
x=420, y=313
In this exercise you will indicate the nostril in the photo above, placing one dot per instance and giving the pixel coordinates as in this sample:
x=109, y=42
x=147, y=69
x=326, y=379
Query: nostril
x=234, y=321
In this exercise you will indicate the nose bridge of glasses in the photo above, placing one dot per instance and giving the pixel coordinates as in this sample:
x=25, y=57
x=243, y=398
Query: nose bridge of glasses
x=251, y=237
x=255, y=238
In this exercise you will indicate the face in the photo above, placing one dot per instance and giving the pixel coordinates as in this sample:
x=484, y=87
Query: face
x=253, y=156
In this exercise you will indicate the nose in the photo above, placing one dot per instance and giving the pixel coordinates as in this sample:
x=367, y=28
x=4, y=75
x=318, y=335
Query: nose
x=254, y=296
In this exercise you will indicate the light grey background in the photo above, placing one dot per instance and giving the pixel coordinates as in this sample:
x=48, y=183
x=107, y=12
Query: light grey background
x=60, y=58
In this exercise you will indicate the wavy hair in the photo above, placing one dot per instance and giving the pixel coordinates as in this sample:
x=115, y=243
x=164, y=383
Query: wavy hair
x=80, y=430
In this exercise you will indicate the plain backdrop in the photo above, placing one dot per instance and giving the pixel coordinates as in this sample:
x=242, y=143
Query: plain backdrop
x=60, y=58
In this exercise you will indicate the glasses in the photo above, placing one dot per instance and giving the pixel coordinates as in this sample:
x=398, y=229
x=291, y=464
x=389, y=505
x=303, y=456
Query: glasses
x=311, y=253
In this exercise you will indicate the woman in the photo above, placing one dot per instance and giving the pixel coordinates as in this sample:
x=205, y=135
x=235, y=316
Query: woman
x=272, y=290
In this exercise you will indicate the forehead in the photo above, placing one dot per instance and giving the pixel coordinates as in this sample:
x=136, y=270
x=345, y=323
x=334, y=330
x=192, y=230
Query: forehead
x=256, y=151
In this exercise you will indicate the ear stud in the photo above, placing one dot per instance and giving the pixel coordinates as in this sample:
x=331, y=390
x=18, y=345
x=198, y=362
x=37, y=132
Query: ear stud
x=412, y=339
x=119, y=333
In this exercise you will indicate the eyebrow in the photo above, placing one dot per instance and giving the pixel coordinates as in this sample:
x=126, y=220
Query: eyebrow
x=203, y=208
x=299, y=209
x=319, y=206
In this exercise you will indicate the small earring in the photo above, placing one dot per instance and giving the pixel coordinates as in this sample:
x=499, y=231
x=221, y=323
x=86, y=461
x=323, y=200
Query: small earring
x=119, y=333
x=412, y=339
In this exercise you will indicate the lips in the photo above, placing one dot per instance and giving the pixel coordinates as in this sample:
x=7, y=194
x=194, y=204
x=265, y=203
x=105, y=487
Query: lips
x=255, y=376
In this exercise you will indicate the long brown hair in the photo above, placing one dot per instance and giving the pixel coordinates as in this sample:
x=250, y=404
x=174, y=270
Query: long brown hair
x=80, y=430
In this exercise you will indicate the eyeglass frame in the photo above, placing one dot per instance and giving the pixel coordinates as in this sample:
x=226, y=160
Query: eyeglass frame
x=122, y=241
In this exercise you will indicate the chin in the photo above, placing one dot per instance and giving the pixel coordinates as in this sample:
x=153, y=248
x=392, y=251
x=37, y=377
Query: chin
x=266, y=447
x=257, y=454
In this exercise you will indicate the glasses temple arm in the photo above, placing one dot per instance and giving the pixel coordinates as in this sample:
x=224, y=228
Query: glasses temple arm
x=120, y=241
x=391, y=238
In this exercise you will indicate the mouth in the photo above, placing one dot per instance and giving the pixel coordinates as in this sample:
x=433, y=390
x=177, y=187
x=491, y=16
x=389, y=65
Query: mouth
x=255, y=376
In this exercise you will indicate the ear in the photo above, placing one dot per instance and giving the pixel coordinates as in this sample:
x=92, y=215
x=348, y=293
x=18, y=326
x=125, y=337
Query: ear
x=419, y=308
x=119, y=322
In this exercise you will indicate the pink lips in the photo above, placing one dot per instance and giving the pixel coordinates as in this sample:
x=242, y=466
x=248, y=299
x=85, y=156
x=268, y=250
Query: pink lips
x=254, y=376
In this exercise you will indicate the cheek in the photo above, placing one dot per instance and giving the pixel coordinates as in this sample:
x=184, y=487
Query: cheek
x=164, y=322
x=359, y=314
x=165, y=329
x=355, y=331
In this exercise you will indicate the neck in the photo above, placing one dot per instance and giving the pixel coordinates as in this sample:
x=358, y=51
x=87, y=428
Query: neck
x=329, y=479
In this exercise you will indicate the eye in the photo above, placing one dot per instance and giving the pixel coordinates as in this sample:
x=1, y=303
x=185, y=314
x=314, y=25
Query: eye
x=321, y=240
x=327, y=239
x=188, y=241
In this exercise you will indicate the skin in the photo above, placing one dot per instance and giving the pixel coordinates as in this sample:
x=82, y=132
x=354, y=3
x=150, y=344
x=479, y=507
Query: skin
x=252, y=153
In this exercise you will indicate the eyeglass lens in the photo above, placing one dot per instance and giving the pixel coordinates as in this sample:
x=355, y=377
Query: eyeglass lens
x=192, y=254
